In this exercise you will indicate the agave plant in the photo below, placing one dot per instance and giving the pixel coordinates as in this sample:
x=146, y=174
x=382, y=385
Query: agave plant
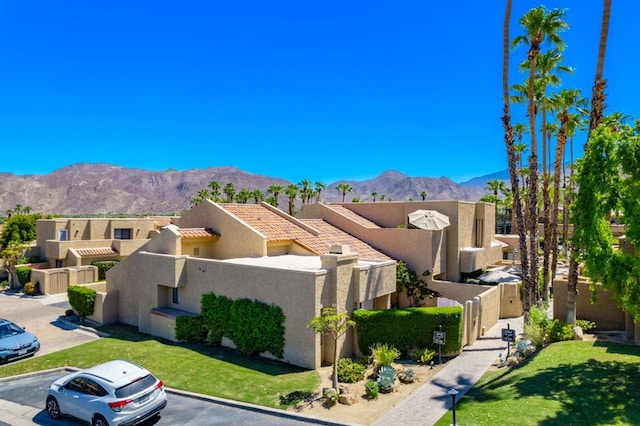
x=386, y=378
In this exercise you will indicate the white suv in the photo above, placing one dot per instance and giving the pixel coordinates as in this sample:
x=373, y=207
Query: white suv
x=114, y=393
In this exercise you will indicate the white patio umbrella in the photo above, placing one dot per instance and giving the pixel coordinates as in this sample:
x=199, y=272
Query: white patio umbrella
x=431, y=220
x=496, y=277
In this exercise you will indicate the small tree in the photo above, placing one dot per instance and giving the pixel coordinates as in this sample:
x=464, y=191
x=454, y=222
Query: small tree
x=335, y=325
x=10, y=255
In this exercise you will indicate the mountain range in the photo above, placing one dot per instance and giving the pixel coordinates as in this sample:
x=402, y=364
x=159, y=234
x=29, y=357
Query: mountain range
x=94, y=189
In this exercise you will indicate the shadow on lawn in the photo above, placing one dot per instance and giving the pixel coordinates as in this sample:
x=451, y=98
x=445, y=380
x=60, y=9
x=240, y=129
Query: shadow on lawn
x=591, y=393
x=257, y=363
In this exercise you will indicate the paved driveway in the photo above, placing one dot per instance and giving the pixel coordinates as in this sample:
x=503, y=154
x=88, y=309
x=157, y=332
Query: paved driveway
x=39, y=315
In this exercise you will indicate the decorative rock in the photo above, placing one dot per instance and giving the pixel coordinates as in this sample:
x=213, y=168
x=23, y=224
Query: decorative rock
x=344, y=389
x=578, y=334
x=347, y=399
x=511, y=361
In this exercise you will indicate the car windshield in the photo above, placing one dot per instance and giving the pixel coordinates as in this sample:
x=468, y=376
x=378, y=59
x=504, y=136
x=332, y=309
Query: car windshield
x=10, y=329
x=136, y=386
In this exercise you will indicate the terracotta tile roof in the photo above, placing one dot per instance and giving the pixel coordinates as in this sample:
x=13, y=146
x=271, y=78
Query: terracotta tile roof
x=330, y=235
x=353, y=216
x=162, y=221
x=318, y=240
x=197, y=232
x=101, y=251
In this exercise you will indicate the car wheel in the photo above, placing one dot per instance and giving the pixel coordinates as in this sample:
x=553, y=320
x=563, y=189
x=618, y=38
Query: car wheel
x=53, y=408
x=98, y=420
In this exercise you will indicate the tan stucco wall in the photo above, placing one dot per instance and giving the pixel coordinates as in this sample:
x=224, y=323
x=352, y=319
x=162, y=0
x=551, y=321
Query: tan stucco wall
x=57, y=280
x=236, y=238
x=422, y=250
x=605, y=312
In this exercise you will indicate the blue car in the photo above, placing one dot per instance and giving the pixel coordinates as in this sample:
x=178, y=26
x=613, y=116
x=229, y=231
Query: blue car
x=15, y=342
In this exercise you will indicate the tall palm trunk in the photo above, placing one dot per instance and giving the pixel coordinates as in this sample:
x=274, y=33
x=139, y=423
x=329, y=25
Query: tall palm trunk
x=509, y=140
x=597, y=112
x=562, y=141
x=531, y=278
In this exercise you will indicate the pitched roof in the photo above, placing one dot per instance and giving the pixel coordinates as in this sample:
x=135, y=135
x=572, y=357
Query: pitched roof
x=100, y=251
x=197, y=232
x=314, y=234
x=353, y=216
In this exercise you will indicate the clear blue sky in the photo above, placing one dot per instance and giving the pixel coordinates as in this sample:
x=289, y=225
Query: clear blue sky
x=294, y=89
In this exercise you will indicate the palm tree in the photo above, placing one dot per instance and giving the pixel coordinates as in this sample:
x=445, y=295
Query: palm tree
x=564, y=100
x=243, y=196
x=215, y=191
x=305, y=190
x=423, y=194
x=539, y=26
x=292, y=192
x=257, y=196
x=344, y=188
x=373, y=194
x=275, y=190
x=597, y=112
x=230, y=191
x=509, y=141
x=318, y=190
x=495, y=186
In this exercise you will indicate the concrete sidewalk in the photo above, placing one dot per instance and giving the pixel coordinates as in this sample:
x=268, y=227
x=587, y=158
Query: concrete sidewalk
x=431, y=401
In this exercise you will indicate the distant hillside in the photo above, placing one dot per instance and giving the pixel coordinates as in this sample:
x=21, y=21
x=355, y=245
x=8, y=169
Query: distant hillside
x=87, y=188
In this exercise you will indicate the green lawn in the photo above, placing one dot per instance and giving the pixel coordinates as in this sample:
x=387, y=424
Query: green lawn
x=196, y=368
x=567, y=383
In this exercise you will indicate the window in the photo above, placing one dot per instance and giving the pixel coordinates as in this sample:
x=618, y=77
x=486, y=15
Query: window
x=62, y=235
x=175, y=296
x=196, y=251
x=122, y=234
x=93, y=388
x=59, y=263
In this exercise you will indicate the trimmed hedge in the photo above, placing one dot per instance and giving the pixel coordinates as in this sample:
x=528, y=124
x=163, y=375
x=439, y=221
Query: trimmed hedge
x=82, y=300
x=190, y=329
x=406, y=329
x=103, y=266
x=24, y=274
x=253, y=326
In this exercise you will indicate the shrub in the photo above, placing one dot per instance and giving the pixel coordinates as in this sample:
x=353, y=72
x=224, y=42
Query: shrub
x=409, y=328
x=29, y=288
x=349, y=371
x=103, y=266
x=386, y=378
x=82, y=300
x=534, y=333
x=190, y=329
x=331, y=397
x=424, y=355
x=23, y=273
x=585, y=325
x=4, y=284
x=407, y=376
x=558, y=331
x=372, y=389
x=383, y=355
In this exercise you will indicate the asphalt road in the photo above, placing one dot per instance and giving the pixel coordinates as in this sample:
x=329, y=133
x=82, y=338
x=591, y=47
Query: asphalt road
x=22, y=399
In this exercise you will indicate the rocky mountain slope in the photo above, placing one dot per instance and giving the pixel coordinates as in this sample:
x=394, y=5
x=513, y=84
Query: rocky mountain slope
x=87, y=188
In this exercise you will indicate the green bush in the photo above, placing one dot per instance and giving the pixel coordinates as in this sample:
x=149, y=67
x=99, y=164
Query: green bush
x=424, y=355
x=190, y=329
x=349, y=371
x=331, y=397
x=372, y=389
x=4, y=284
x=295, y=397
x=253, y=326
x=103, y=266
x=82, y=300
x=409, y=328
x=383, y=355
x=23, y=273
x=558, y=331
x=586, y=325
x=29, y=288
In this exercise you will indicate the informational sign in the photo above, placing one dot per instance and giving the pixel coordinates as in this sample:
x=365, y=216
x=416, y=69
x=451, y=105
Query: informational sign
x=508, y=335
x=439, y=337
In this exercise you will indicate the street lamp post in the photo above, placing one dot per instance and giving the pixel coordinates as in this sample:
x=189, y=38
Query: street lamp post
x=453, y=394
